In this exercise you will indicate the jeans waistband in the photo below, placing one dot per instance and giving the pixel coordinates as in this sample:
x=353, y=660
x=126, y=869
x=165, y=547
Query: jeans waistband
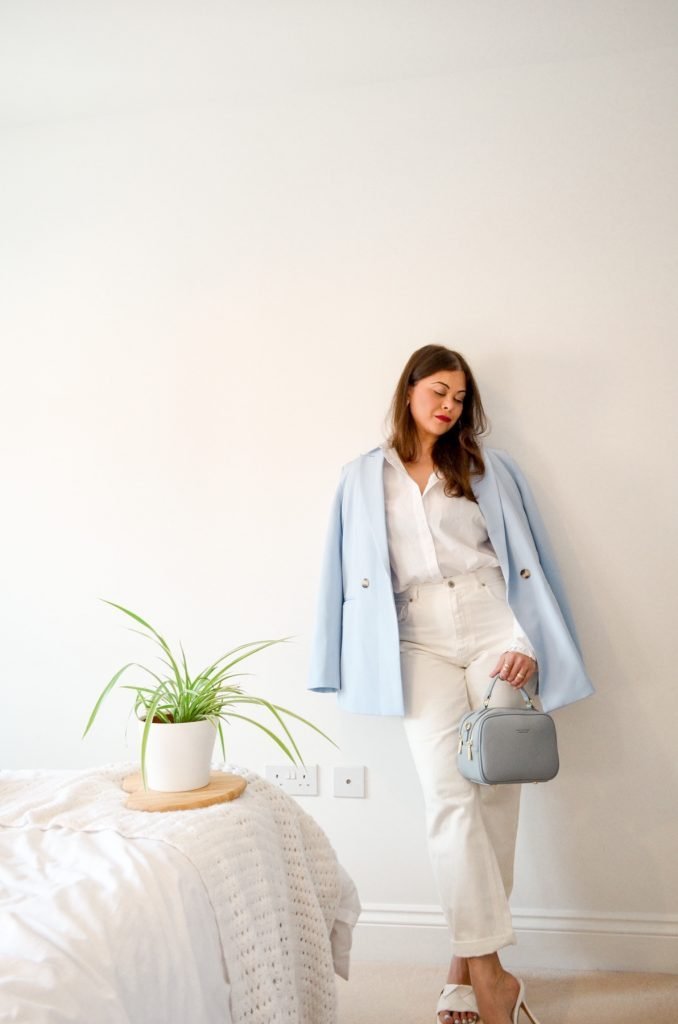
x=486, y=574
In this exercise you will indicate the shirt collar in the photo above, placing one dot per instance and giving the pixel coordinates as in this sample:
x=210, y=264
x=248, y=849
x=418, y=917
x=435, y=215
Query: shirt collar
x=391, y=456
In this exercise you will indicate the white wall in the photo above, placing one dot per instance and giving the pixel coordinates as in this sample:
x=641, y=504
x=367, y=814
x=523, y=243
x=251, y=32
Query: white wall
x=224, y=229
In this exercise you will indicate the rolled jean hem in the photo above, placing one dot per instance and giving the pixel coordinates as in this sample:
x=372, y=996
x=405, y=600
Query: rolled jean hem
x=479, y=947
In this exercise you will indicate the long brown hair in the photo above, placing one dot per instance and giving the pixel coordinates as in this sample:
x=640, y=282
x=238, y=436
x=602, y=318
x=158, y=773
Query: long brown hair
x=457, y=453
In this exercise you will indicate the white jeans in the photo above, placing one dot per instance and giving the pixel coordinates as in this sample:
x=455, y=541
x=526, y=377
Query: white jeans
x=451, y=636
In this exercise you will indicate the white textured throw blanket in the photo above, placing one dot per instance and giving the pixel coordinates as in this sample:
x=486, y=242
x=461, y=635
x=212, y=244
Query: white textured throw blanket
x=270, y=872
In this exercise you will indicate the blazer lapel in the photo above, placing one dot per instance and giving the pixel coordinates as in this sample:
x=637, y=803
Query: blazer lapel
x=486, y=490
x=372, y=493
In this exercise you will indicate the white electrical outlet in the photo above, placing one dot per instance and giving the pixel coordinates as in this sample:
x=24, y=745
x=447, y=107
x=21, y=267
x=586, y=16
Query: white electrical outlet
x=301, y=780
x=349, y=780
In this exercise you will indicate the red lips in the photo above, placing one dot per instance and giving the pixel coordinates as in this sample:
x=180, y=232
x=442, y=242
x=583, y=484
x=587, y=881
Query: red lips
x=445, y=419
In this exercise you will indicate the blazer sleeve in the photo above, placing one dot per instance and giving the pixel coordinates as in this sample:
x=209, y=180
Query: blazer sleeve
x=543, y=543
x=324, y=675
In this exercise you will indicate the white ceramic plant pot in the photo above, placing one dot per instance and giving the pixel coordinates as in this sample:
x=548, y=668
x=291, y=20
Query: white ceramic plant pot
x=179, y=755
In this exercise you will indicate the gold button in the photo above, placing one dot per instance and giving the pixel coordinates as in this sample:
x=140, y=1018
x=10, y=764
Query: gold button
x=450, y=583
x=365, y=583
x=525, y=573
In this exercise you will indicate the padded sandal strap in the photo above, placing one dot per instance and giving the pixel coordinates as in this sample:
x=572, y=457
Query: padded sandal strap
x=457, y=997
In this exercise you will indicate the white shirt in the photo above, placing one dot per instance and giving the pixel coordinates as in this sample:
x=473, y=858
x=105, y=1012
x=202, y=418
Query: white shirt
x=432, y=536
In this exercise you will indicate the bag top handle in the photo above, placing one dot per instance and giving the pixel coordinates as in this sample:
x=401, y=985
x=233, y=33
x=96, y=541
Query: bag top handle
x=526, y=698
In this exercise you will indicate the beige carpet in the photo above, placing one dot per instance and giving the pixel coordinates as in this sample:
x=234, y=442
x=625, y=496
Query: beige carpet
x=393, y=994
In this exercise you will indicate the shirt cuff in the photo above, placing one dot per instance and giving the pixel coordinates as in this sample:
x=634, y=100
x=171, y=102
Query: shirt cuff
x=520, y=643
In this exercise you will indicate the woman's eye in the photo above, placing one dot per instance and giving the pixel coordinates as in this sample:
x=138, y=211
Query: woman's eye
x=441, y=393
x=459, y=401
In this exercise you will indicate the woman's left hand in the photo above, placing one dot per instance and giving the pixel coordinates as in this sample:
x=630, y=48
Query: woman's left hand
x=517, y=669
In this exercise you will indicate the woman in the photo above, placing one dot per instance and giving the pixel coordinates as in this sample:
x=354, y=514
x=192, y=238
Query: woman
x=437, y=576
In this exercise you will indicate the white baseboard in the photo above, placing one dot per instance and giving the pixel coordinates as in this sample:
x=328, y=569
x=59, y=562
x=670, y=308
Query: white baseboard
x=548, y=939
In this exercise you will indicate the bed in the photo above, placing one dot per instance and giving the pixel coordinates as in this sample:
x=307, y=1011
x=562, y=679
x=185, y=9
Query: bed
x=228, y=914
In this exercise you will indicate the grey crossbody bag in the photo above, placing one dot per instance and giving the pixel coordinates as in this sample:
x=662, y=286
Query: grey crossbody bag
x=507, y=745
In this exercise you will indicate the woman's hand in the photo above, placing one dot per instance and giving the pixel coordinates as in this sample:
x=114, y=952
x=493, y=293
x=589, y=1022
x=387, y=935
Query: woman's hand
x=517, y=669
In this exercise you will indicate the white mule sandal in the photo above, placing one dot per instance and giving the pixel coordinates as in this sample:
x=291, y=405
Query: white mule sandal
x=459, y=998
x=522, y=1005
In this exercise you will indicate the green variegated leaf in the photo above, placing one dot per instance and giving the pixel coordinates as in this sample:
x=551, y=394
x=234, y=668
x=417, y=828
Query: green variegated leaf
x=178, y=698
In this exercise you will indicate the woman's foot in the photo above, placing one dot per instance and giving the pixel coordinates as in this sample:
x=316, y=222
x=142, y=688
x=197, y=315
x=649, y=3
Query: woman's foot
x=458, y=974
x=496, y=989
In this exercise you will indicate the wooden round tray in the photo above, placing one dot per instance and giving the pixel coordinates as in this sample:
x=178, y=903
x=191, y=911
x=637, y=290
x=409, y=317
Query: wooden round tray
x=221, y=787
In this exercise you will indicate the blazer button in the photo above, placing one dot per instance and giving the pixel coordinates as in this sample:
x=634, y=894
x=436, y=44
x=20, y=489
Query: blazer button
x=365, y=583
x=525, y=573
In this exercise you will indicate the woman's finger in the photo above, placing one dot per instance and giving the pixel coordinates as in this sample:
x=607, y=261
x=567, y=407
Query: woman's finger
x=522, y=670
x=507, y=666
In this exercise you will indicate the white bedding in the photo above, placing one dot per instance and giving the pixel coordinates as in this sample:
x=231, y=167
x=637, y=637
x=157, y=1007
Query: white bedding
x=98, y=926
x=95, y=927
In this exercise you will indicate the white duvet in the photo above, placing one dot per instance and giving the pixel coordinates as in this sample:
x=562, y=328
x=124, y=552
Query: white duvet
x=98, y=928
x=105, y=928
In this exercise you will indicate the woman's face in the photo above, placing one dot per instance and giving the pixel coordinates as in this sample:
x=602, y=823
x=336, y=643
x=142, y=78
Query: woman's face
x=436, y=402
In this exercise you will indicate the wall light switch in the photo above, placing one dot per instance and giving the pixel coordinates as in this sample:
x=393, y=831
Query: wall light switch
x=349, y=780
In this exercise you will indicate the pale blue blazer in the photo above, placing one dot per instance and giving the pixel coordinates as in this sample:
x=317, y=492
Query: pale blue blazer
x=355, y=647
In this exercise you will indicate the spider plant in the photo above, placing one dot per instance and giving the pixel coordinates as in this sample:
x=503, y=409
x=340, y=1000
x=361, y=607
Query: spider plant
x=177, y=696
